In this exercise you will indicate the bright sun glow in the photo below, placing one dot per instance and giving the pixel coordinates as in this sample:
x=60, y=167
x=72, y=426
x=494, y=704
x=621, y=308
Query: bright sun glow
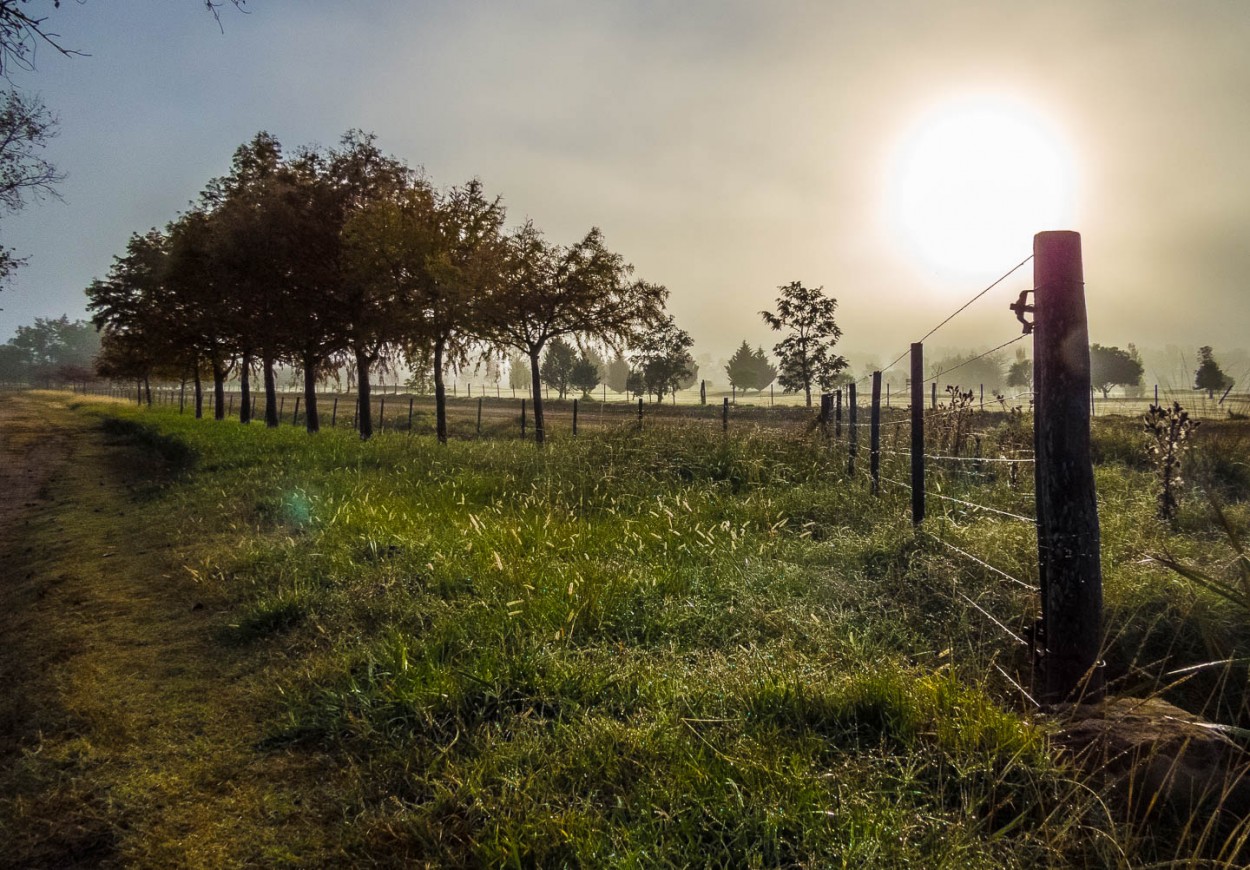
x=975, y=180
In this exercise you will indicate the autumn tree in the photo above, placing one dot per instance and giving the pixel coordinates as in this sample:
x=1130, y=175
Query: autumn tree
x=805, y=354
x=1111, y=367
x=545, y=291
x=1210, y=376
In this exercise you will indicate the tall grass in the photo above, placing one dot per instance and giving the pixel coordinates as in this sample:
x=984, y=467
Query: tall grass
x=669, y=646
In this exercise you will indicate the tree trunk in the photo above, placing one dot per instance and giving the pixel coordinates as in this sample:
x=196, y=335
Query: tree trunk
x=147, y=389
x=199, y=392
x=440, y=394
x=219, y=391
x=271, y=391
x=312, y=421
x=539, y=433
x=245, y=389
x=364, y=396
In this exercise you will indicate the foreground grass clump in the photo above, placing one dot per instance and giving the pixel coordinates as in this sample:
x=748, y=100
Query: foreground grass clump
x=668, y=646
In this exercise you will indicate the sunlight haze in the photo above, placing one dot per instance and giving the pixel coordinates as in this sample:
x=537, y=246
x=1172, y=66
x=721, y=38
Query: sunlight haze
x=900, y=154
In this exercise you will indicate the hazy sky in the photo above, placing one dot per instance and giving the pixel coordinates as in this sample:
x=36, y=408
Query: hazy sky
x=724, y=148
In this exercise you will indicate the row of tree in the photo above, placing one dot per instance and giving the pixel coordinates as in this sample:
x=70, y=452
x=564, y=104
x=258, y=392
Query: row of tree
x=346, y=255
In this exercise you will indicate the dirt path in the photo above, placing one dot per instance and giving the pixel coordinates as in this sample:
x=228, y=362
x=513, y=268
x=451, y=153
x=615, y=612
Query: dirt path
x=128, y=731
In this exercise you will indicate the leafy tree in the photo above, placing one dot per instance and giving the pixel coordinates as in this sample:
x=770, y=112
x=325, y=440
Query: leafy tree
x=546, y=291
x=765, y=371
x=251, y=211
x=1210, y=376
x=1020, y=372
x=662, y=355
x=557, y=367
x=806, y=356
x=636, y=384
x=134, y=308
x=585, y=373
x=1111, y=367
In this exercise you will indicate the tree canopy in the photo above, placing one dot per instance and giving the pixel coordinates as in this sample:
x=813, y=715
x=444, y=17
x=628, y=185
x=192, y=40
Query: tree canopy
x=1113, y=367
x=1210, y=376
x=805, y=354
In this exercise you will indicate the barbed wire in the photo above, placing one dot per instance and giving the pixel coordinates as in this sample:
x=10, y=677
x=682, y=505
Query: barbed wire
x=959, y=310
x=1017, y=638
x=977, y=357
x=983, y=563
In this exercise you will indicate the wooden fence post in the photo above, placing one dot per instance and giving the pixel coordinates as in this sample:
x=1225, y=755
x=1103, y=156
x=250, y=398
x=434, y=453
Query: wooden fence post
x=574, y=415
x=826, y=404
x=702, y=392
x=182, y=396
x=917, y=433
x=724, y=416
x=522, y=418
x=334, y=412
x=295, y=413
x=1068, y=538
x=874, y=435
x=933, y=395
x=853, y=424
x=382, y=414
x=837, y=415
x=640, y=412
x=479, y=416
x=410, y=400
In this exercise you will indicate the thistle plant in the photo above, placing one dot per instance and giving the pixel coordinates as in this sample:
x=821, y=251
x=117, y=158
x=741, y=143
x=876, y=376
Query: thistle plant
x=1171, y=431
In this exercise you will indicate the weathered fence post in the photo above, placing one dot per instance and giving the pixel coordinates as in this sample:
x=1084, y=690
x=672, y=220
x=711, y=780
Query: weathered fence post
x=874, y=435
x=702, y=392
x=983, y=397
x=640, y=412
x=295, y=413
x=1068, y=539
x=334, y=413
x=410, y=401
x=724, y=416
x=522, y=418
x=182, y=396
x=853, y=423
x=933, y=395
x=479, y=416
x=837, y=415
x=826, y=404
x=574, y=416
x=917, y=433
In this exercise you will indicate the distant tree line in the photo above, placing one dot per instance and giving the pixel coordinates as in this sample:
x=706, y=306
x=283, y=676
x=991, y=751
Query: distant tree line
x=50, y=352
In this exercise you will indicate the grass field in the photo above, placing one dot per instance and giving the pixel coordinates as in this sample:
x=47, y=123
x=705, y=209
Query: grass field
x=655, y=647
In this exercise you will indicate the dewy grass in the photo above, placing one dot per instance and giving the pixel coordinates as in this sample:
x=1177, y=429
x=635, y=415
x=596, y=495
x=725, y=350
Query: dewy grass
x=667, y=646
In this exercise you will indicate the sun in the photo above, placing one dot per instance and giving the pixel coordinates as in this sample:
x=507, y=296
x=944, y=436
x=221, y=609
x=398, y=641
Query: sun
x=973, y=181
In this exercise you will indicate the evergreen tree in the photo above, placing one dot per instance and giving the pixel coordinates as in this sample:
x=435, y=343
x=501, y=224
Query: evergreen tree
x=585, y=374
x=557, y=366
x=741, y=368
x=1210, y=376
x=765, y=371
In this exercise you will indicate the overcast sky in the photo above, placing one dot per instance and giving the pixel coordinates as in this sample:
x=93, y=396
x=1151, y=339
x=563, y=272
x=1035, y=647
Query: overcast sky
x=724, y=148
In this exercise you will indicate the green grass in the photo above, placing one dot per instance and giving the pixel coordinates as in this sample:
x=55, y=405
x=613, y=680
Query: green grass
x=669, y=647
